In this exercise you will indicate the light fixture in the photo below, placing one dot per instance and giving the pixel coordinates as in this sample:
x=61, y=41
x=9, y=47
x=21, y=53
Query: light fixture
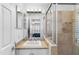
x=33, y=10
x=39, y=9
x=28, y=9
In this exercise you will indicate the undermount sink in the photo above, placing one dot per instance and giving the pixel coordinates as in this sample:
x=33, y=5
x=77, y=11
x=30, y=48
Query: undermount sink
x=32, y=44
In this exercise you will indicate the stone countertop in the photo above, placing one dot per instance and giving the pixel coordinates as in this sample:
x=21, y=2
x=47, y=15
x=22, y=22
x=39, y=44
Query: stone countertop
x=49, y=41
x=23, y=44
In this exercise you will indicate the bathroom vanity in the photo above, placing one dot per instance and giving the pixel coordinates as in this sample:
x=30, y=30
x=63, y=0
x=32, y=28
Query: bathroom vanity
x=31, y=47
x=36, y=47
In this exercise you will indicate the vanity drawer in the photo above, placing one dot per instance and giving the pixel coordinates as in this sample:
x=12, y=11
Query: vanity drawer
x=40, y=51
x=32, y=51
x=22, y=51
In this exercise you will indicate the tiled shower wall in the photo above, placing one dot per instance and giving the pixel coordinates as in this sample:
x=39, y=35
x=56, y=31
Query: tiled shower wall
x=65, y=32
x=64, y=28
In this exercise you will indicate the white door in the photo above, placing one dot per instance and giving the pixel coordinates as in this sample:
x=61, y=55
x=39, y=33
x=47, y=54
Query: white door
x=6, y=43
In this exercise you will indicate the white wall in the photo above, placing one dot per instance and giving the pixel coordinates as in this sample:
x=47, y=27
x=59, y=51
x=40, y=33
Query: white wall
x=20, y=31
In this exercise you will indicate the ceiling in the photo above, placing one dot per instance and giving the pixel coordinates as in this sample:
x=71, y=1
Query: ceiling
x=42, y=6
